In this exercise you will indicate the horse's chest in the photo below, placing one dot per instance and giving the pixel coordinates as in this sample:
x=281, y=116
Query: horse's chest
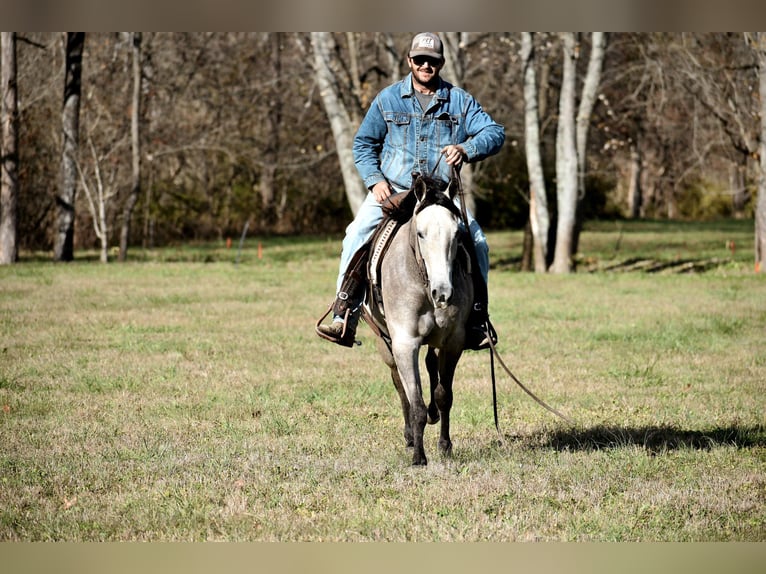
x=444, y=318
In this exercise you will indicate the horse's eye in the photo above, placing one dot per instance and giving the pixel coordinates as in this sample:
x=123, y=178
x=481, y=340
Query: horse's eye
x=420, y=235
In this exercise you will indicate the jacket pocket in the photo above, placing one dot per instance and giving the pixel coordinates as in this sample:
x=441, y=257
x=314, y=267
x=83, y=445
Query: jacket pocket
x=448, y=129
x=398, y=124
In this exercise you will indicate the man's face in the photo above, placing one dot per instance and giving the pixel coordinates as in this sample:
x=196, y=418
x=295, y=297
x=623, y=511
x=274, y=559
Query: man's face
x=425, y=69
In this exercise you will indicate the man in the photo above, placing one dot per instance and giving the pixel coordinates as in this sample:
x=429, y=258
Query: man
x=421, y=124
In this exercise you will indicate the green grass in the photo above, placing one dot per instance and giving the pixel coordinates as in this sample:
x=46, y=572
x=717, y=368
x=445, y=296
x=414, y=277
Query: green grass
x=186, y=397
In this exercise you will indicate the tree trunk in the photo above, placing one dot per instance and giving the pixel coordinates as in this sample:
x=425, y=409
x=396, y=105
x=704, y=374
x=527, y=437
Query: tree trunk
x=98, y=204
x=355, y=74
x=63, y=244
x=454, y=72
x=566, y=162
x=760, y=208
x=634, y=184
x=527, y=248
x=135, y=118
x=390, y=54
x=9, y=181
x=587, y=102
x=738, y=184
x=539, y=219
x=343, y=129
x=267, y=183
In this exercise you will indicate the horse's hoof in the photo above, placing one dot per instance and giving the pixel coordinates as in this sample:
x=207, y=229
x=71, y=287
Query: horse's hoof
x=445, y=447
x=420, y=462
x=432, y=420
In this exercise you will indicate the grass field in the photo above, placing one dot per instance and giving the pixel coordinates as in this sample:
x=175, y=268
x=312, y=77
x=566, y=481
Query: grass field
x=185, y=396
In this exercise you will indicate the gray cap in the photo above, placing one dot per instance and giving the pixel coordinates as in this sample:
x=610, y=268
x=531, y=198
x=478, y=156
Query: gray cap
x=427, y=44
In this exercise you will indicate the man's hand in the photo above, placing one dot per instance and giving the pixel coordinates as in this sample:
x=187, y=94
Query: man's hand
x=381, y=191
x=454, y=154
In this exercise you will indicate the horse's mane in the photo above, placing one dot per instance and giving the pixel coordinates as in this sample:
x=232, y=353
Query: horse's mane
x=401, y=209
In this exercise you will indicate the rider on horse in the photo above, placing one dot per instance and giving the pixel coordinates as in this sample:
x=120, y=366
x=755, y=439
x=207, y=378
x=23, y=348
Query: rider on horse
x=421, y=124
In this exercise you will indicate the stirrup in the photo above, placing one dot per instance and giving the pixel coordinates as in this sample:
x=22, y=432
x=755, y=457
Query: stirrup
x=480, y=337
x=347, y=335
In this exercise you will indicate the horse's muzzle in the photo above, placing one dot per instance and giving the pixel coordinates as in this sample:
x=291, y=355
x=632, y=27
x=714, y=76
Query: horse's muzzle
x=441, y=296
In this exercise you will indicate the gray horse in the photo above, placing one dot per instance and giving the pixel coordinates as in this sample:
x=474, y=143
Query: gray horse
x=427, y=296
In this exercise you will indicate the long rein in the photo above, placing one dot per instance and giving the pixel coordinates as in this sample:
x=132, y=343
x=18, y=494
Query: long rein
x=492, y=350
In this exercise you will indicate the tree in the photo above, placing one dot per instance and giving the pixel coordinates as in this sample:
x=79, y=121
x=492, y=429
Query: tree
x=100, y=193
x=341, y=122
x=63, y=247
x=587, y=102
x=539, y=218
x=455, y=72
x=571, y=145
x=720, y=71
x=9, y=180
x=760, y=210
x=566, y=160
x=135, y=118
x=267, y=184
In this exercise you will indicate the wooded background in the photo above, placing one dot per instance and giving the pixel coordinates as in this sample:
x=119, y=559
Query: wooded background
x=191, y=136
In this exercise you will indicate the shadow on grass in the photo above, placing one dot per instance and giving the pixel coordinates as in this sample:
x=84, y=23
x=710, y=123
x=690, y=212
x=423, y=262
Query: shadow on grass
x=654, y=439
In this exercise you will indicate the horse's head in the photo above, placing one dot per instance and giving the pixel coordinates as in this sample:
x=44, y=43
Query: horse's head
x=436, y=223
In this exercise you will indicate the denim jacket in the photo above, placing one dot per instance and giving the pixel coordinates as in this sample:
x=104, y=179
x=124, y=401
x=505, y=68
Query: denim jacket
x=398, y=137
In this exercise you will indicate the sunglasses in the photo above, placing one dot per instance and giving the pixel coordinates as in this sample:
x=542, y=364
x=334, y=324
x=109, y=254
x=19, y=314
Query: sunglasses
x=420, y=60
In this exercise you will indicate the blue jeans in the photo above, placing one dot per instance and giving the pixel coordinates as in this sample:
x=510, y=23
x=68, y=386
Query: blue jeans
x=370, y=214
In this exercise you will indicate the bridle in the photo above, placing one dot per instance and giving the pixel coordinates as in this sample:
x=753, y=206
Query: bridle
x=430, y=199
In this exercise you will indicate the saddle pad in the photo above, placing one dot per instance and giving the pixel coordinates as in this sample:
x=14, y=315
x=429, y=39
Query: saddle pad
x=379, y=246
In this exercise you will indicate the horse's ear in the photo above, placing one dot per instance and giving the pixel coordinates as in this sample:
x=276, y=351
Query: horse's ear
x=420, y=188
x=454, y=188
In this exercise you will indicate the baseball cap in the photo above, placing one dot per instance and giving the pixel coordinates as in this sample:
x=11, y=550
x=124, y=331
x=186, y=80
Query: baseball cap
x=427, y=44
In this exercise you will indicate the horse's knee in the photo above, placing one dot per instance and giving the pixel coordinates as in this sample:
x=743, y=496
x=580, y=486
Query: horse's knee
x=408, y=438
x=433, y=414
x=443, y=398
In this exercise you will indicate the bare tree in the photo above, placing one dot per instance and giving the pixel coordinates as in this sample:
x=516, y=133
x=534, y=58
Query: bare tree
x=587, y=102
x=267, y=183
x=341, y=122
x=634, y=182
x=721, y=71
x=584, y=112
x=571, y=145
x=760, y=209
x=135, y=141
x=566, y=160
x=539, y=218
x=9, y=181
x=455, y=72
x=100, y=193
x=63, y=246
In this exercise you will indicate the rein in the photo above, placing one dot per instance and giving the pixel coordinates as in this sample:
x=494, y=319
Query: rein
x=492, y=350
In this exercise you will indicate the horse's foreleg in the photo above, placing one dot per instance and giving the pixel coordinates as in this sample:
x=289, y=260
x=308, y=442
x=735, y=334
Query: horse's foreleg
x=443, y=396
x=388, y=358
x=405, y=405
x=406, y=357
x=432, y=366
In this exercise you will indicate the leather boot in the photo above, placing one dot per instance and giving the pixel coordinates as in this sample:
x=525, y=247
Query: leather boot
x=478, y=329
x=341, y=331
